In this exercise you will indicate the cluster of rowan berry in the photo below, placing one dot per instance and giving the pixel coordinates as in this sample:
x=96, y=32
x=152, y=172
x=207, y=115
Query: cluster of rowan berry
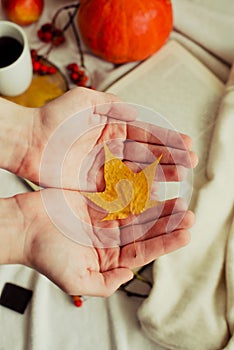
x=77, y=75
x=39, y=65
x=48, y=33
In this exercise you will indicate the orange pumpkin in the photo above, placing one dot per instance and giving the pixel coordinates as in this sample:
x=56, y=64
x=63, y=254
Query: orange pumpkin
x=124, y=30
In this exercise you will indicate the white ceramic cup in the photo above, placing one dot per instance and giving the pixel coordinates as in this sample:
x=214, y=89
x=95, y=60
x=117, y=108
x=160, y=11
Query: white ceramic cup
x=17, y=76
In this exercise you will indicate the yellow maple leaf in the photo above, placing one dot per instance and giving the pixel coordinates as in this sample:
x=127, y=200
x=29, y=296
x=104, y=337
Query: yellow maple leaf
x=126, y=192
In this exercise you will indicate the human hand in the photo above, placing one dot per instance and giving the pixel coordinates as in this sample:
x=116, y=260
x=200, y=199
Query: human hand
x=98, y=264
x=66, y=146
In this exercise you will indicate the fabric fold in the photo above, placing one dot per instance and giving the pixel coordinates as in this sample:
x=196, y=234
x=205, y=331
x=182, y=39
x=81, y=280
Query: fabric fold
x=209, y=23
x=187, y=307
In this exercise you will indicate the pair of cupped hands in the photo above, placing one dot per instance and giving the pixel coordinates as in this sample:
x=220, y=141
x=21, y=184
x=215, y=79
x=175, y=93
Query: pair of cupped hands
x=62, y=234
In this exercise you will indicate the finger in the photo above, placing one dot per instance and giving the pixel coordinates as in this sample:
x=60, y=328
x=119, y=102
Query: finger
x=171, y=173
x=150, y=133
x=142, y=253
x=94, y=180
x=167, y=173
x=146, y=153
x=116, y=109
x=112, y=233
x=95, y=177
x=103, y=284
x=167, y=224
x=171, y=206
x=157, y=227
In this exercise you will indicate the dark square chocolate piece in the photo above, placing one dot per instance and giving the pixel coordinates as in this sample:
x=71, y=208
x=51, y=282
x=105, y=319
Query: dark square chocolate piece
x=15, y=297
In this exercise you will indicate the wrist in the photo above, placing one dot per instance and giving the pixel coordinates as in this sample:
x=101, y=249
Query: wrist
x=12, y=233
x=15, y=135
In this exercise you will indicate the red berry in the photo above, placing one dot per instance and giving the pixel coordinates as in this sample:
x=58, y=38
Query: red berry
x=69, y=66
x=43, y=69
x=84, y=78
x=58, y=37
x=74, y=76
x=47, y=27
x=81, y=73
x=40, y=34
x=47, y=37
x=81, y=83
x=33, y=53
x=57, y=32
x=36, y=66
x=73, y=67
x=45, y=33
x=58, y=40
x=44, y=36
x=52, y=70
x=77, y=301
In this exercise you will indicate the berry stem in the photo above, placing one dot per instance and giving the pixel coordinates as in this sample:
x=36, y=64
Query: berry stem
x=71, y=17
x=49, y=50
x=77, y=41
x=67, y=7
x=67, y=25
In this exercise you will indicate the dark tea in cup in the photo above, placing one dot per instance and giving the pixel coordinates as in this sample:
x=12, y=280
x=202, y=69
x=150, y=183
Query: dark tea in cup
x=10, y=50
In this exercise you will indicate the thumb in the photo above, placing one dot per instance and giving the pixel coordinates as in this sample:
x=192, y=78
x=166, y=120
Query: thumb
x=114, y=278
x=106, y=283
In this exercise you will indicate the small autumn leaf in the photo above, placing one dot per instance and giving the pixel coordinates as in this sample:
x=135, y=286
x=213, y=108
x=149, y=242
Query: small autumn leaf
x=126, y=192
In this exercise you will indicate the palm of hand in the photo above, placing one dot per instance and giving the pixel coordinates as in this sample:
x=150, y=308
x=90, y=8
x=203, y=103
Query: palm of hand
x=65, y=148
x=90, y=270
x=75, y=268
